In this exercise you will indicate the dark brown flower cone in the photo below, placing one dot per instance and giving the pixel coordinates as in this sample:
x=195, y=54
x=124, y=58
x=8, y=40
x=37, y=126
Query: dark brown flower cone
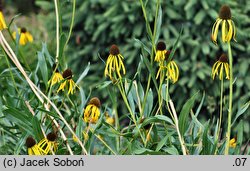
x=95, y=101
x=67, y=74
x=225, y=12
x=114, y=50
x=161, y=46
x=30, y=142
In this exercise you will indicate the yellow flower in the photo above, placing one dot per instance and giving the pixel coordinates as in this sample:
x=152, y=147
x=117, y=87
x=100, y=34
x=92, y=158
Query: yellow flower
x=2, y=21
x=92, y=111
x=33, y=148
x=232, y=143
x=109, y=119
x=68, y=82
x=160, y=52
x=25, y=36
x=171, y=68
x=47, y=144
x=114, y=63
x=172, y=71
x=220, y=66
x=228, y=29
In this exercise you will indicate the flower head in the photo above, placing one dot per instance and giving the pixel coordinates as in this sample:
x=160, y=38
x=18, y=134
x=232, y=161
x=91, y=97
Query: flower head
x=92, y=111
x=68, y=82
x=219, y=67
x=25, y=36
x=2, y=20
x=160, y=52
x=171, y=68
x=172, y=71
x=232, y=143
x=56, y=77
x=33, y=148
x=114, y=63
x=228, y=29
x=48, y=143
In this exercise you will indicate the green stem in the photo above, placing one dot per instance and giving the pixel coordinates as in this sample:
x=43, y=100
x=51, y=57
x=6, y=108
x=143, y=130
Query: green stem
x=152, y=36
x=123, y=93
x=57, y=31
x=221, y=106
x=221, y=112
x=230, y=98
x=72, y=22
x=160, y=98
x=11, y=74
x=117, y=124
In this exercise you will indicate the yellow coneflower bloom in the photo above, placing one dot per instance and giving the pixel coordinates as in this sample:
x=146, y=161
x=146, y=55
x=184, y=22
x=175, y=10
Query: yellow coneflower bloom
x=2, y=21
x=33, y=148
x=47, y=144
x=172, y=71
x=220, y=66
x=25, y=36
x=92, y=111
x=232, y=143
x=114, y=63
x=171, y=68
x=162, y=66
x=228, y=29
x=68, y=82
x=56, y=77
x=160, y=52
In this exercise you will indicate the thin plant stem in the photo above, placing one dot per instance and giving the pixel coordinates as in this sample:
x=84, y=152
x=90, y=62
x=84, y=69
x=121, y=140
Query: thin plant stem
x=117, y=124
x=230, y=108
x=177, y=128
x=11, y=74
x=72, y=22
x=101, y=139
x=160, y=99
x=221, y=106
x=221, y=113
x=172, y=112
x=57, y=31
x=19, y=51
x=123, y=93
x=153, y=50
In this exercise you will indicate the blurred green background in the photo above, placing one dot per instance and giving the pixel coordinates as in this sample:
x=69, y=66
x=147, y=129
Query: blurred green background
x=101, y=23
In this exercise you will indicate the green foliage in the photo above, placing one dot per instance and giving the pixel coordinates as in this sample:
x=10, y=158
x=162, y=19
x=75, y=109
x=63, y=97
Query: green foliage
x=142, y=124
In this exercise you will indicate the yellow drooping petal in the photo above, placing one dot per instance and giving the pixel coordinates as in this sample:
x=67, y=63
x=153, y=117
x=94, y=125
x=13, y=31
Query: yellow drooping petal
x=172, y=71
x=227, y=70
x=232, y=143
x=230, y=30
x=223, y=31
x=29, y=37
x=114, y=65
x=62, y=86
x=91, y=114
x=215, y=30
x=2, y=22
x=221, y=71
x=234, y=31
x=56, y=78
x=45, y=146
x=218, y=69
x=34, y=150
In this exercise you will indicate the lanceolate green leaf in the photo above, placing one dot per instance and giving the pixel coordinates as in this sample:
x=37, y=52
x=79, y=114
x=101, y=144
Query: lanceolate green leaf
x=183, y=118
